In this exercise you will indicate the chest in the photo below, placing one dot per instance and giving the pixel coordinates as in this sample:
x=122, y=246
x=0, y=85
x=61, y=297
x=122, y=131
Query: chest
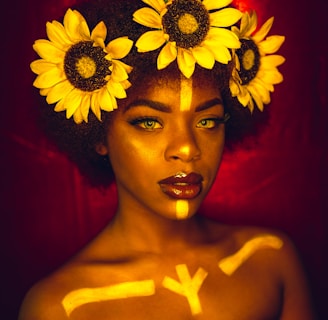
x=185, y=291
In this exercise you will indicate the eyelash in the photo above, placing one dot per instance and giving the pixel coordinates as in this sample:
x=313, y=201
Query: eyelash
x=140, y=122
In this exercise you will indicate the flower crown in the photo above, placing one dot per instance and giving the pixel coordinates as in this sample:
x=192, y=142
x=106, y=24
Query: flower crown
x=78, y=71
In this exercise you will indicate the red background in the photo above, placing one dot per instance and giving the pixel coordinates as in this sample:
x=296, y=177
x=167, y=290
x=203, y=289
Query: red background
x=47, y=213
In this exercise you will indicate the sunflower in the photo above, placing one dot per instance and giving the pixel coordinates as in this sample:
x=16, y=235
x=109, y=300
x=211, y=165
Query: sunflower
x=191, y=31
x=256, y=70
x=77, y=71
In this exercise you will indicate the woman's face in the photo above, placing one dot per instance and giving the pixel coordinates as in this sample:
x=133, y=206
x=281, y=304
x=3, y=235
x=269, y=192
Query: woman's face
x=165, y=146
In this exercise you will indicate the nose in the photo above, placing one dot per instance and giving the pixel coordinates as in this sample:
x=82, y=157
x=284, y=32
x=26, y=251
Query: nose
x=182, y=146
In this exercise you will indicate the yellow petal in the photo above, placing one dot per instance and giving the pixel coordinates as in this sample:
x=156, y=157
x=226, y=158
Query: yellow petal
x=257, y=85
x=220, y=36
x=105, y=101
x=116, y=89
x=60, y=106
x=225, y=17
x=272, y=76
x=203, y=57
x=186, y=62
x=85, y=107
x=59, y=91
x=83, y=31
x=72, y=21
x=119, y=48
x=150, y=40
x=248, y=24
x=73, y=102
x=77, y=116
x=158, y=5
x=270, y=61
x=46, y=50
x=95, y=107
x=41, y=66
x=100, y=31
x=263, y=31
x=148, y=17
x=49, y=78
x=220, y=53
x=271, y=44
x=56, y=34
x=256, y=98
x=119, y=73
x=215, y=4
x=167, y=55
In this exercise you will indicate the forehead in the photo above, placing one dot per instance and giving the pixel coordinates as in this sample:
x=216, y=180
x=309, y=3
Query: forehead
x=170, y=86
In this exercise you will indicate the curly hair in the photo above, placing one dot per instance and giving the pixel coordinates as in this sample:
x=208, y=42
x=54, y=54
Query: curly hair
x=79, y=141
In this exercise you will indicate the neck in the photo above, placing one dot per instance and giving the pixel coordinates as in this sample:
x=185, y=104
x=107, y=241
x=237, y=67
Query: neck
x=141, y=230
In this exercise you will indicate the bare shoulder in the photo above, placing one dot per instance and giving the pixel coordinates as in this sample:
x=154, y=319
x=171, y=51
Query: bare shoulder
x=44, y=300
x=281, y=257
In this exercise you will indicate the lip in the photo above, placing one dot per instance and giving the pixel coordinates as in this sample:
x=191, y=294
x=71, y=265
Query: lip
x=182, y=185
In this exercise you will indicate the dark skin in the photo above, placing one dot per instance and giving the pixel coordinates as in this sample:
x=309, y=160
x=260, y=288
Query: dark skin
x=146, y=240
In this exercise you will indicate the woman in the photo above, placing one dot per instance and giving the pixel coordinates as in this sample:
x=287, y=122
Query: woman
x=148, y=101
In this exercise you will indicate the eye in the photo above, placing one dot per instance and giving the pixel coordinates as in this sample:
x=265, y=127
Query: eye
x=211, y=123
x=146, y=123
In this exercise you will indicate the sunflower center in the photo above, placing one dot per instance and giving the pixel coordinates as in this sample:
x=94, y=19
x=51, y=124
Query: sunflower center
x=187, y=22
x=86, y=67
x=249, y=56
x=248, y=59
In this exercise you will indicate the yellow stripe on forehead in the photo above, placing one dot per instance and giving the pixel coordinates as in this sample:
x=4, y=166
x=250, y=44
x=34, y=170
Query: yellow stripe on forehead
x=185, y=93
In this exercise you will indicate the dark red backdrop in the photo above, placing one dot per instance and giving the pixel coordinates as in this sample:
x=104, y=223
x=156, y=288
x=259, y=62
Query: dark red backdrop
x=47, y=213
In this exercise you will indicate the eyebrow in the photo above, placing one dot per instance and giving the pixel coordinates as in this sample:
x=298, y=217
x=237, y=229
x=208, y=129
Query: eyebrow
x=165, y=108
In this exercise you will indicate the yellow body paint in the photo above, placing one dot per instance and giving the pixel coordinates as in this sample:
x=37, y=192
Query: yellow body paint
x=187, y=286
x=185, y=93
x=230, y=264
x=83, y=296
x=182, y=209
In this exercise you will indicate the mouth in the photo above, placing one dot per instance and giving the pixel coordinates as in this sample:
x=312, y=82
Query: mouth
x=182, y=185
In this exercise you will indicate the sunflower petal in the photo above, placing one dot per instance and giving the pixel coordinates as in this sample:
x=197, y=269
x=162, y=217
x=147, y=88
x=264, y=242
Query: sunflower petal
x=270, y=61
x=49, y=78
x=119, y=72
x=215, y=4
x=204, y=57
x=225, y=17
x=72, y=21
x=85, y=107
x=150, y=40
x=186, y=62
x=57, y=35
x=167, y=55
x=271, y=44
x=105, y=100
x=116, y=89
x=255, y=95
x=95, y=107
x=119, y=48
x=59, y=91
x=220, y=36
x=46, y=50
x=148, y=17
x=263, y=31
x=40, y=66
x=272, y=76
x=100, y=31
x=158, y=5
x=73, y=102
x=78, y=117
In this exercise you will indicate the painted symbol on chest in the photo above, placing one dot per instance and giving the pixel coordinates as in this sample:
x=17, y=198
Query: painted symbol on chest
x=187, y=286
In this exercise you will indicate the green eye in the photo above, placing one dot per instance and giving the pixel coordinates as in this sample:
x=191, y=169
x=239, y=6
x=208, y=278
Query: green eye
x=208, y=123
x=211, y=123
x=150, y=124
x=147, y=123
